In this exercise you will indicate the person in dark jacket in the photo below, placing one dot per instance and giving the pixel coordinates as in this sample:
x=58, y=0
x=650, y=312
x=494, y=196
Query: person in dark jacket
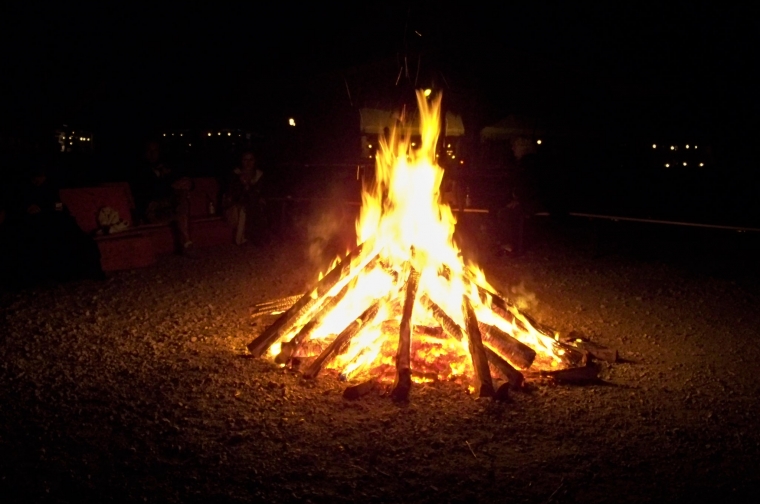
x=162, y=195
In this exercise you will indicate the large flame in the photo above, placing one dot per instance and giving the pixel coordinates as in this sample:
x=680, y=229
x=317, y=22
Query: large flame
x=403, y=219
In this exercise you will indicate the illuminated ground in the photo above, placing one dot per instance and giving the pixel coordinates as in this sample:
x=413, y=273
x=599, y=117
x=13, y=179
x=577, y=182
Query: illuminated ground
x=139, y=389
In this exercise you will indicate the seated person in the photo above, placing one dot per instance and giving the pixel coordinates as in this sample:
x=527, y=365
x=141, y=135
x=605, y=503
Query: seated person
x=43, y=240
x=242, y=202
x=161, y=195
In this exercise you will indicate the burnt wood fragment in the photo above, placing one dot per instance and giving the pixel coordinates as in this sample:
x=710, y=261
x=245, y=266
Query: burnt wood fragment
x=356, y=391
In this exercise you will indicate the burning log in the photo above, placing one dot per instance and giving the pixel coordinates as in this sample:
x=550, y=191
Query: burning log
x=288, y=347
x=306, y=304
x=513, y=376
x=403, y=382
x=519, y=354
x=477, y=352
x=274, y=306
x=447, y=323
x=341, y=340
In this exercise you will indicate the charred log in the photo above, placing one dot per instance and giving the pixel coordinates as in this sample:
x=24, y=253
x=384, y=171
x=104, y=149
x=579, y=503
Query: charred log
x=341, y=340
x=477, y=352
x=354, y=392
x=513, y=376
x=516, y=352
x=403, y=382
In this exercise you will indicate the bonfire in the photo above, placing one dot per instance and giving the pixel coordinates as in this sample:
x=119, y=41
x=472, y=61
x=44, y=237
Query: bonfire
x=403, y=306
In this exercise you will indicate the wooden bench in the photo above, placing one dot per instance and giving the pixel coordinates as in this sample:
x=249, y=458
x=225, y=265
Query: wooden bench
x=139, y=246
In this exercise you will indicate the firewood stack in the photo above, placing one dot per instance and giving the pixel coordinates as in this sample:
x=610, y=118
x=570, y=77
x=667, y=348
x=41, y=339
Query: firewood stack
x=492, y=350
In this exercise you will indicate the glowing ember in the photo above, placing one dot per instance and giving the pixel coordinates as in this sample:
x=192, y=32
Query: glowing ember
x=403, y=305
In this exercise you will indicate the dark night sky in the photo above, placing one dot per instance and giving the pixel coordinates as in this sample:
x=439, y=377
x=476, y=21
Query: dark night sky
x=181, y=64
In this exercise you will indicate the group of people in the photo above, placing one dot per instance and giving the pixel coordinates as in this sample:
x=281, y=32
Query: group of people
x=40, y=240
x=161, y=195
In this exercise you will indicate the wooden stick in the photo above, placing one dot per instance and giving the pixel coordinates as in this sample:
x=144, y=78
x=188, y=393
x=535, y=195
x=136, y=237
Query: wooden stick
x=342, y=339
x=516, y=352
x=304, y=306
x=477, y=352
x=289, y=347
x=274, y=306
x=403, y=382
x=513, y=376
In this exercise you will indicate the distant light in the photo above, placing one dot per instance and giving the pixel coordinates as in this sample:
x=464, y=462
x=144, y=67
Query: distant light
x=695, y=146
x=209, y=133
x=414, y=144
x=453, y=156
x=448, y=146
x=370, y=146
x=427, y=92
x=229, y=134
x=189, y=145
x=180, y=134
x=672, y=148
x=687, y=146
x=436, y=155
x=461, y=161
x=164, y=134
x=701, y=164
x=292, y=122
x=667, y=165
x=654, y=146
x=684, y=163
x=538, y=141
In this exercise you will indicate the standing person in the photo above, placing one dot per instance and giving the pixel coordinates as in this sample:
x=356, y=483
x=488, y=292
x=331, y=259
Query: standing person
x=162, y=195
x=242, y=202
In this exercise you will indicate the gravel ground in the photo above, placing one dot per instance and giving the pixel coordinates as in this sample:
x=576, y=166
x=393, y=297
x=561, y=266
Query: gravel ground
x=139, y=388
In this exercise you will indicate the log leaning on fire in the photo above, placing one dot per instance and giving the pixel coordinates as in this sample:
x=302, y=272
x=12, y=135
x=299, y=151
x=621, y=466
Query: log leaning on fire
x=303, y=306
x=341, y=340
x=513, y=376
x=477, y=352
x=516, y=352
x=403, y=382
x=289, y=347
x=450, y=327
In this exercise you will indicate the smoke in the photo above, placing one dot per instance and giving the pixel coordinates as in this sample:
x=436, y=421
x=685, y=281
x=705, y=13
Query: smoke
x=523, y=298
x=329, y=234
